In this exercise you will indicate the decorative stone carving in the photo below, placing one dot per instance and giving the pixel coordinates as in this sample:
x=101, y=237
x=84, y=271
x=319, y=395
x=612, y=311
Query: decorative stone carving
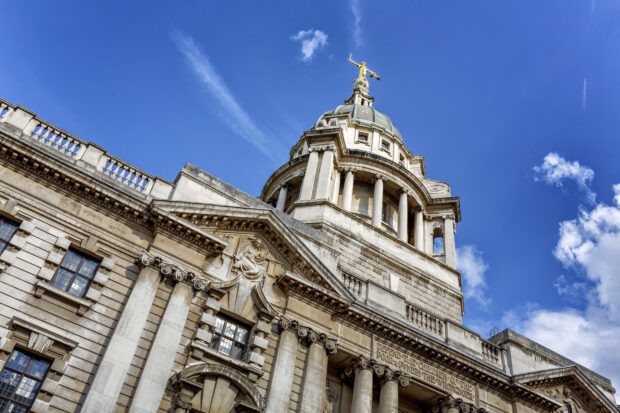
x=251, y=262
x=174, y=272
x=331, y=395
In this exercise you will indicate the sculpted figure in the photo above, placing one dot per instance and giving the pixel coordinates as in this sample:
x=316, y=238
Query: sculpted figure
x=252, y=260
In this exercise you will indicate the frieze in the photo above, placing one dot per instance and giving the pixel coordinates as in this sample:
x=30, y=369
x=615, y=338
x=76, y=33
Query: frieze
x=398, y=359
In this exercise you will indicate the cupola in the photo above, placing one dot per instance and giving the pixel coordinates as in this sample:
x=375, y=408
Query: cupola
x=351, y=171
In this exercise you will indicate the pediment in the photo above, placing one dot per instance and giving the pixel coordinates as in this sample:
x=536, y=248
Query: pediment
x=569, y=385
x=259, y=241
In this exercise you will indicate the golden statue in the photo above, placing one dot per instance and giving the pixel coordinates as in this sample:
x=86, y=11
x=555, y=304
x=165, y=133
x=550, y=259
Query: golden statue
x=363, y=70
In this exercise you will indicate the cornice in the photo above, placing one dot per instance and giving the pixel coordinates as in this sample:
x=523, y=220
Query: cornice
x=80, y=182
x=411, y=340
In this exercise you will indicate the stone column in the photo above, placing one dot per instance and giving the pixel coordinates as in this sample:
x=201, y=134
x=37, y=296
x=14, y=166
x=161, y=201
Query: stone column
x=284, y=368
x=307, y=185
x=377, y=207
x=449, y=404
x=325, y=175
x=403, y=210
x=448, y=242
x=282, y=198
x=347, y=191
x=158, y=367
x=116, y=361
x=313, y=386
x=388, y=397
x=336, y=188
x=418, y=231
x=362, y=386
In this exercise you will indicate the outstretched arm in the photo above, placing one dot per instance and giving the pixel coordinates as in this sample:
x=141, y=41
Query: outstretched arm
x=350, y=60
x=374, y=74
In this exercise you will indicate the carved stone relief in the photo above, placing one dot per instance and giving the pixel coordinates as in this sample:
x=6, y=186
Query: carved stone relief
x=251, y=260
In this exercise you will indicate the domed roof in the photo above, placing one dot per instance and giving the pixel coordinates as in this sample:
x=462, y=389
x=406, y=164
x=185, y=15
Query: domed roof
x=363, y=115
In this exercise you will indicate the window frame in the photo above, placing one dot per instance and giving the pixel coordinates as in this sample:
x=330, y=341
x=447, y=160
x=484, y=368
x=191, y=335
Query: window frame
x=218, y=336
x=7, y=241
x=365, y=141
x=24, y=374
x=75, y=273
x=385, y=145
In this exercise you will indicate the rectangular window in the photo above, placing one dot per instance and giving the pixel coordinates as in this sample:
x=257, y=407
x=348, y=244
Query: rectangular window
x=385, y=145
x=8, y=228
x=362, y=137
x=20, y=381
x=230, y=337
x=75, y=273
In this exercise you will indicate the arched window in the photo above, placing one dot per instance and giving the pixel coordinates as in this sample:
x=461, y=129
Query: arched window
x=438, y=247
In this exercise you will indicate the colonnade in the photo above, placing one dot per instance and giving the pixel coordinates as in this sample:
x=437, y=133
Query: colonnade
x=315, y=375
x=114, y=366
x=364, y=371
x=319, y=176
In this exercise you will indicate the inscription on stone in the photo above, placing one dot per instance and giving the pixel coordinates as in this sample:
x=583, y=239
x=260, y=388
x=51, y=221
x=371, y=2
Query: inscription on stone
x=396, y=358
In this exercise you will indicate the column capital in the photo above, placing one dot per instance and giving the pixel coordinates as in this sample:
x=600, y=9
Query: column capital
x=380, y=177
x=363, y=363
x=449, y=402
x=172, y=271
x=405, y=191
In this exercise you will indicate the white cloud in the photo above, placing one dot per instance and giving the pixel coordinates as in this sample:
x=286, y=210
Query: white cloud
x=356, y=10
x=312, y=41
x=472, y=266
x=589, y=245
x=229, y=108
x=555, y=170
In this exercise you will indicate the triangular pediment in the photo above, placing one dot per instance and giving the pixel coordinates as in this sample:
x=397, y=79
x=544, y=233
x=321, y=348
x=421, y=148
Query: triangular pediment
x=569, y=385
x=263, y=226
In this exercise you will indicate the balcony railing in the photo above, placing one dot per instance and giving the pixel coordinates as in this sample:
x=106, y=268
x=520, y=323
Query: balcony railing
x=60, y=141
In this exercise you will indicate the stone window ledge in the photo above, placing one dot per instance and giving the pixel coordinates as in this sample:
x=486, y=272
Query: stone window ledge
x=82, y=304
x=204, y=350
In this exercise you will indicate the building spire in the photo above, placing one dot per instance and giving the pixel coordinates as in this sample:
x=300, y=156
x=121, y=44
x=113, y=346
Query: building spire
x=360, y=85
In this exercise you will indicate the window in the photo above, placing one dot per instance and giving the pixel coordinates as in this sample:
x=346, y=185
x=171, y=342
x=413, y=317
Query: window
x=230, y=337
x=20, y=382
x=75, y=273
x=438, y=247
x=385, y=145
x=7, y=230
x=362, y=137
x=402, y=159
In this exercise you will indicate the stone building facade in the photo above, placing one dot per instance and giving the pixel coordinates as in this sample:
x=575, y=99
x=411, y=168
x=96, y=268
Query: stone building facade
x=335, y=291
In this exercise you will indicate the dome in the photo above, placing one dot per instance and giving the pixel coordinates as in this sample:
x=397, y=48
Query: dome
x=363, y=115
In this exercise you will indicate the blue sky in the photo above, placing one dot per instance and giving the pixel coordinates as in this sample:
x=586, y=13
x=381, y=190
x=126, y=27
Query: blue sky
x=486, y=90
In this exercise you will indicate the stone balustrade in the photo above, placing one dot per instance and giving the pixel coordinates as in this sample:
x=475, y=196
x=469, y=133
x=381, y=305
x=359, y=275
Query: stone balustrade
x=355, y=284
x=490, y=352
x=424, y=321
x=126, y=174
x=60, y=141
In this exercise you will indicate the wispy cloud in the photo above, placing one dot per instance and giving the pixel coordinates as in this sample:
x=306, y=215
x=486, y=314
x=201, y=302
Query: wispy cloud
x=312, y=41
x=230, y=111
x=356, y=11
x=584, y=94
x=473, y=267
x=555, y=170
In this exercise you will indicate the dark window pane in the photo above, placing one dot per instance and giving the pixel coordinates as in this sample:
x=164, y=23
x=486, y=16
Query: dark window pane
x=37, y=368
x=8, y=382
x=7, y=229
x=242, y=335
x=62, y=279
x=14, y=408
x=229, y=331
x=71, y=260
x=2, y=246
x=88, y=267
x=18, y=361
x=219, y=325
x=79, y=286
x=225, y=346
x=26, y=391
